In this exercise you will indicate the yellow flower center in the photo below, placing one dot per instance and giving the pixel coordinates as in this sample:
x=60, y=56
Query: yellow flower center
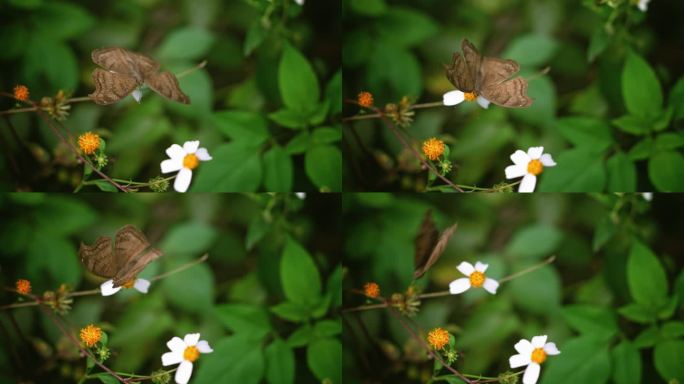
x=438, y=338
x=129, y=283
x=90, y=335
x=433, y=148
x=470, y=96
x=538, y=355
x=191, y=354
x=190, y=161
x=535, y=167
x=89, y=142
x=477, y=279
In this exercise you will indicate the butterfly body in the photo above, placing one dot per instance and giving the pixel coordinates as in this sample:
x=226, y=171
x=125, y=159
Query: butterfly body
x=489, y=77
x=120, y=260
x=124, y=71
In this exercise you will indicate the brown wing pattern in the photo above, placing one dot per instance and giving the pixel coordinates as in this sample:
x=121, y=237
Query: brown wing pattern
x=511, y=93
x=99, y=257
x=129, y=248
x=495, y=70
x=114, y=59
x=135, y=265
x=166, y=84
x=111, y=87
x=473, y=61
x=459, y=75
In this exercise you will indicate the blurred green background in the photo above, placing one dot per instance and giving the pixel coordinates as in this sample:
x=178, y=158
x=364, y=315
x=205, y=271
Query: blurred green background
x=612, y=301
x=267, y=319
x=267, y=118
x=609, y=111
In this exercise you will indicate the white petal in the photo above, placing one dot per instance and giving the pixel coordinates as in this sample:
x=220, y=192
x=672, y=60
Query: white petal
x=551, y=349
x=191, y=339
x=481, y=267
x=524, y=347
x=302, y=195
x=191, y=146
x=535, y=152
x=137, y=94
x=459, y=286
x=520, y=158
x=300, y=2
x=527, y=184
x=484, y=103
x=203, y=347
x=520, y=360
x=491, y=285
x=547, y=160
x=531, y=373
x=107, y=288
x=453, y=98
x=170, y=358
x=183, y=179
x=203, y=154
x=648, y=196
x=142, y=285
x=643, y=5
x=539, y=341
x=466, y=268
x=183, y=373
x=176, y=152
x=176, y=344
x=171, y=165
x=515, y=171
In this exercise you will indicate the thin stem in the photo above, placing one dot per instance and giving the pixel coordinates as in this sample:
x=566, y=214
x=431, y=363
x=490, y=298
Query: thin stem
x=191, y=70
x=181, y=268
x=528, y=270
x=19, y=305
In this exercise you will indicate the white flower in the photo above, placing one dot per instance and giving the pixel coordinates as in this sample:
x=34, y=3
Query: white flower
x=140, y=285
x=137, y=95
x=476, y=278
x=648, y=196
x=529, y=165
x=300, y=195
x=184, y=159
x=456, y=97
x=532, y=354
x=185, y=351
x=643, y=5
x=300, y=2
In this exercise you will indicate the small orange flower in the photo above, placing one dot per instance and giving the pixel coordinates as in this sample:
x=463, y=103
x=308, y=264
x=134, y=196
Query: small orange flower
x=365, y=99
x=438, y=338
x=21, y=92
x=89, y=142
x=23, y=286
x=90, y=335
x=371, y=290
x=433, y=148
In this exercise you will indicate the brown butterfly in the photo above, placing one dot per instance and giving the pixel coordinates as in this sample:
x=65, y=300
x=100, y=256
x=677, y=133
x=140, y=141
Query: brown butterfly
x=488, y=77
x=429, y=244
x=125, y=72
x=121, y=261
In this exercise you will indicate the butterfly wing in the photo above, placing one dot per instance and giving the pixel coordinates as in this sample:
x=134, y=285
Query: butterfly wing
x=166, y=84
x=511, y=93
x=111, y=87
x=459, y=75
x=99, y=257
x=496, y=71
x=473, y=61
x=133, y=253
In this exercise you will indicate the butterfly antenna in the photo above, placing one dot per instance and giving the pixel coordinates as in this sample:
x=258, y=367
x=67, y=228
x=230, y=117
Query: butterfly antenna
x=540, y=73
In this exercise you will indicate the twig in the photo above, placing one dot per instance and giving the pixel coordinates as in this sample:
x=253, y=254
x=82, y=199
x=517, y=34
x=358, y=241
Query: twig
x=528, y=270
x=181, y=268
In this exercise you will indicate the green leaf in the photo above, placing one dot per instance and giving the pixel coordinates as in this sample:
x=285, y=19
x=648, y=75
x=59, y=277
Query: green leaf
x=246, y=362
x=621, y=173
x=626, y=364
x=244, y=319
x=297, y=81
x=255, y=36
x=319, y=113
x=291, y=311
x=290, y=118
x=640, y=88
x=191, y=290
x=277, y=170
x=368, y=7
x=525, y=243
x=578, y=170
x=298, y=144
x=191, y=237
x=636, y=125
x=394, y=71
x=323, y=357
x=52, y=260
x=669, y=140
x=598, y=43
x=257, y=229
x=236, y=167
x=531, y=49
x=542, y=284
x=323, y=165
x=638, y=313
x=198, y=86
x=582, y=360
x=299, y=275
x=642, y=150
x=673, y=329
x=333, y=93
x=105, y=378
x=327, y=328
x=404, y=27
x=326, y=135
x=586, y=131
x=665, y=171
x=61, y=20
x=301, y=336
x=603, y=233
x=663, y=120
x=243, y=126
x=645, y=276
x=55, y=60
x=186, y=43
x=590, y=320
x=280, y=363
x=647, y=338
x=72, y=215
x=668, y=356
